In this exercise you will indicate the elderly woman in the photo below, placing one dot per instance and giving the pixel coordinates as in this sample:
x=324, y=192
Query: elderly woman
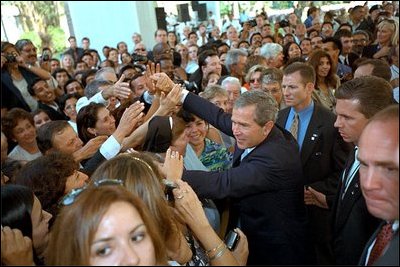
x=18, y=126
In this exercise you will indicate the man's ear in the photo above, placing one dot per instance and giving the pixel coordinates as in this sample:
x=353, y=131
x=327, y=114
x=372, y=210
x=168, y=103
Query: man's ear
x=268, y=127
x=310, y=87
x=92, y=131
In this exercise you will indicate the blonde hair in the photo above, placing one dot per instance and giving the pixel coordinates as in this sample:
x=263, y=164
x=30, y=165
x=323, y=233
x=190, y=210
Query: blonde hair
x=393, y=25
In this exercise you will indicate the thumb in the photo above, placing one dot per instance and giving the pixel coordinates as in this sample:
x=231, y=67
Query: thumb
x=312, y=190
x=121, y=79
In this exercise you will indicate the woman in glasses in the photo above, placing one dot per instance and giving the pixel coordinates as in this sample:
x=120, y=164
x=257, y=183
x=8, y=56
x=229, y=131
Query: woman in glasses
x=25, y=235
x=105, y=225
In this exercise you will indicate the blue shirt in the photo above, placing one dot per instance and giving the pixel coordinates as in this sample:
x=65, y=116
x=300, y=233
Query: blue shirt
x=304, y=120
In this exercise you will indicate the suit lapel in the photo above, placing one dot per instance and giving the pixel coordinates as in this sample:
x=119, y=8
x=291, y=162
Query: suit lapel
x=236, y=156
x=282, y=117
x=350, y=198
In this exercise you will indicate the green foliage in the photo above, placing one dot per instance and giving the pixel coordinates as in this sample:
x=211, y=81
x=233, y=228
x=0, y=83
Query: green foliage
x=225, y=8
x=282, y=4
x=33, y=36
x=57, y=36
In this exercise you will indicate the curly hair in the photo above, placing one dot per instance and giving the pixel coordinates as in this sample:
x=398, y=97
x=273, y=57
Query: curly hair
x=47, y=177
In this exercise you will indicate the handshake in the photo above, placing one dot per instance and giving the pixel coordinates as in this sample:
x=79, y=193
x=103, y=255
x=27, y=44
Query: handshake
x=162, y=82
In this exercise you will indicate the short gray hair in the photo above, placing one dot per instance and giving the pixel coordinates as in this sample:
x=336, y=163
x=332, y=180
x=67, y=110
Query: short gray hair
x=271, y=50
x=231, y=80
x=94, y=87
x=100, y=73
x=232, y=57
x=266, y=105
x=213, y=91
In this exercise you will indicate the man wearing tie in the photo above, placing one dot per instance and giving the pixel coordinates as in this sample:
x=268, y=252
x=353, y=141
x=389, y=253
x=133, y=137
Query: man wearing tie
x=265, y=183
x=357, y=101
x=379, y=179
x=322, y=150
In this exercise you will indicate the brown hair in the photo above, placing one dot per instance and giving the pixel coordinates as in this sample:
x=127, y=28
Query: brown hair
x=47, y=176
x=141, y=177
x=331, y=79
x=77, y=224
x=372, y=93
x=11, y=119
x=307, y=72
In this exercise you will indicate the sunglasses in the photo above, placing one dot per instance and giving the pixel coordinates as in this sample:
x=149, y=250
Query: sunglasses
x=70, y=198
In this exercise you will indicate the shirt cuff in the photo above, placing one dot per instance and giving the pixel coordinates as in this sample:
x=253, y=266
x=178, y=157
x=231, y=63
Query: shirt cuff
x=185, y=92
x=148, y=98
x=110, y=148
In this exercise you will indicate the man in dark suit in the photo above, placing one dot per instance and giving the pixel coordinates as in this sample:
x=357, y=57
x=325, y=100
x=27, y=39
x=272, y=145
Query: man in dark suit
x=357, y=101
x=322, y=150
x=265, y=183
x=379, y=180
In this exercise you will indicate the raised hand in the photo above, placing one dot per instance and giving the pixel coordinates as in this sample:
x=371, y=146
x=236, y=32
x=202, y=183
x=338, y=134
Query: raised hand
x=163, y=82
x=173, y=165
x=169, y=102
x=131, y=117
x=150, y=71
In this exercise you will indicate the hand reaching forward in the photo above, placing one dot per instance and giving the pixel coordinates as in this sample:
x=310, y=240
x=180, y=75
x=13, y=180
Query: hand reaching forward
x=189, y=206
x=150, y=71
x=163, y=82
x=169, y=102
x=90, y=148
x=129, y=120
x=173, y=165
x=120, y=89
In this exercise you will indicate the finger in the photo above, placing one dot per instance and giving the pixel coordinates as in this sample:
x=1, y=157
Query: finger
x=158, y=68
x=121, y=79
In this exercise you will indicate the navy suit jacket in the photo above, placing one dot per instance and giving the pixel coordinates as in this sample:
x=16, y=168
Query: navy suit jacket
x=323, y=155
x=353, y=225
x=266, y=188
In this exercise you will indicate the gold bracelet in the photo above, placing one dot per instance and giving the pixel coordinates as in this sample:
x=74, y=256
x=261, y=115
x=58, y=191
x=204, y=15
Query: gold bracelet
x=219, y=254
x=214, y=249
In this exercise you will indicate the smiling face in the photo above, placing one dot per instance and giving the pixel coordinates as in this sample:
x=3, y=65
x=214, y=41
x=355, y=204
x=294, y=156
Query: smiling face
x=323, y=67
x=105, y=124
x=196, y=131
x=246, y=131
x=127, y=244
x=43, y=93
x=24, y=133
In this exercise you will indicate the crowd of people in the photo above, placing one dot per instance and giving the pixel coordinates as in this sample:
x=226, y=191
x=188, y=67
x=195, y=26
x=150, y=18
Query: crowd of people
x=259, y=145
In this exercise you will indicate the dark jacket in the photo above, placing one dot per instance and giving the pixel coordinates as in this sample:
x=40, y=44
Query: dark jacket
x=266, y=189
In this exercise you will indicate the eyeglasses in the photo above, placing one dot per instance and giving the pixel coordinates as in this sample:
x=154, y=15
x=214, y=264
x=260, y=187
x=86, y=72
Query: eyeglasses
x=254, y=80
x=140, y=49
x=70, y=198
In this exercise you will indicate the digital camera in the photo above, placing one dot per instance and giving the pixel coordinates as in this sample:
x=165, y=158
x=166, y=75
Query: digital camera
x=11, y=58
x=169, y=186
x=231, y=240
